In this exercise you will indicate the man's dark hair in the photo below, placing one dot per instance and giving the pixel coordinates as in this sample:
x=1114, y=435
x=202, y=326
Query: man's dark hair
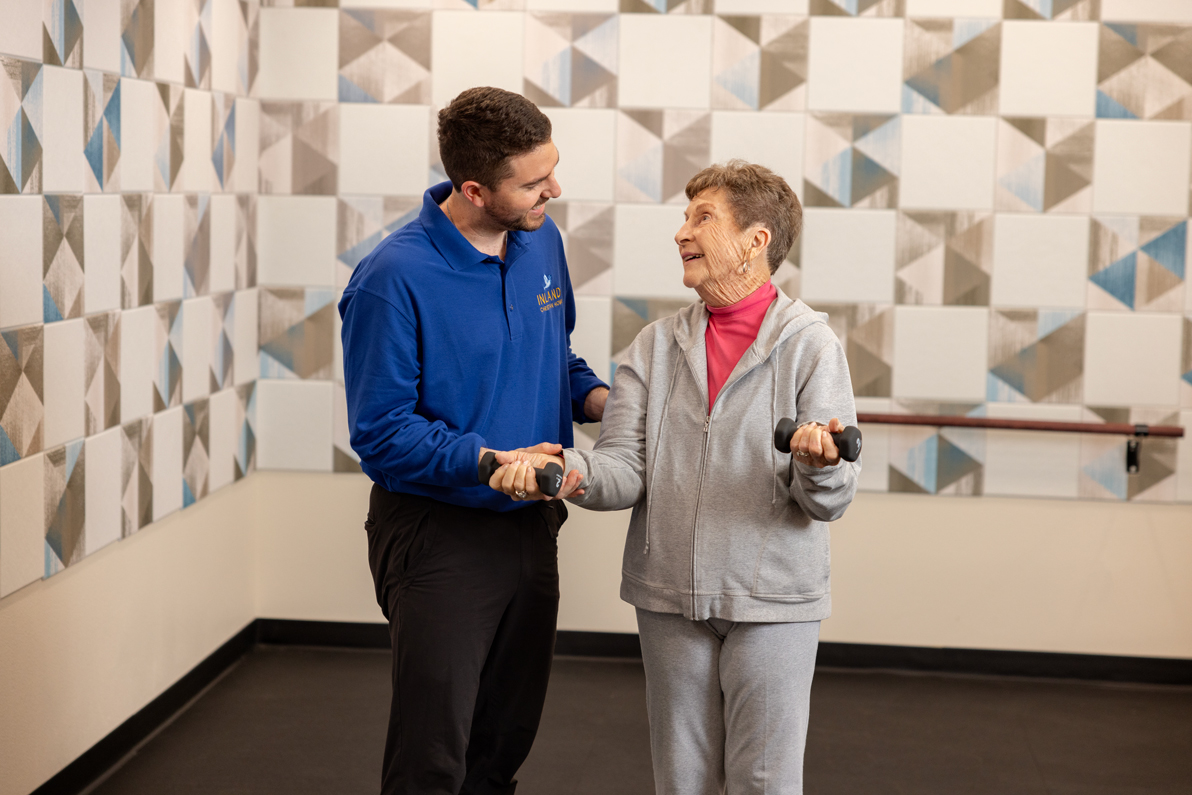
x=482, y=129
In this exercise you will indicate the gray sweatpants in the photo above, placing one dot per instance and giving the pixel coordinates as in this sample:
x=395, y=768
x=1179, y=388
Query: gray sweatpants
x=728, y=703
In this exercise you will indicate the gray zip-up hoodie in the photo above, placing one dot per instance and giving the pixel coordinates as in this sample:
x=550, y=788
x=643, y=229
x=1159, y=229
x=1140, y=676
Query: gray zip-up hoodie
x=723, y=525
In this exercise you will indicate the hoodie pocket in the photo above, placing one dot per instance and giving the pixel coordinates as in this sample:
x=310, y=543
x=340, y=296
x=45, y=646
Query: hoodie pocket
x=794, y=564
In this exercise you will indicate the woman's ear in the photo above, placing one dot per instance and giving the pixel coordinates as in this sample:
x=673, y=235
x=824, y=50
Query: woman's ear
x=758, y=240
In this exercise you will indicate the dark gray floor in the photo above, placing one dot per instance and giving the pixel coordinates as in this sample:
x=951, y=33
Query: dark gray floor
x=300, y=720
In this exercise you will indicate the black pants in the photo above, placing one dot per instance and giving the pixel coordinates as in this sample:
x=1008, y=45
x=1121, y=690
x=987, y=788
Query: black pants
x=472, y=597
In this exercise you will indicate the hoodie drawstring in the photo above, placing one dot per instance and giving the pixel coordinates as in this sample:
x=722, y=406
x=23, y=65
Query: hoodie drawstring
x=773, y=423
x=661, y=429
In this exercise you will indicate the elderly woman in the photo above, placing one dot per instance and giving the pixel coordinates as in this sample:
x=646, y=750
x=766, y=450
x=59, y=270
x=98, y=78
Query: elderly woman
x=726, y=559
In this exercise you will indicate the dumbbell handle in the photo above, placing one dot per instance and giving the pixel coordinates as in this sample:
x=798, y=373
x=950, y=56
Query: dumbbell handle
x=550, y=477
x=848, y=441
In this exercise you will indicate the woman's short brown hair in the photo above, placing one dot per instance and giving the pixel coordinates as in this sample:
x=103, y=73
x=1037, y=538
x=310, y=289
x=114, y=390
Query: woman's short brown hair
x=756, y=195
x=482, y=129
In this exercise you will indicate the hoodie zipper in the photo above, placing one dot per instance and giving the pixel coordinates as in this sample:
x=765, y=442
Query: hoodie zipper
x=695, y=519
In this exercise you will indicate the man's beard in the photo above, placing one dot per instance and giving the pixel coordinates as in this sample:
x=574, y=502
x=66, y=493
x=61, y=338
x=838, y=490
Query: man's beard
x=510, y=220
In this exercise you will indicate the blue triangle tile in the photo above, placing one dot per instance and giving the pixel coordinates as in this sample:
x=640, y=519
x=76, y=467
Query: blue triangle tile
x=8, y=451
x=93, y=152
x=1118, y=279
x=111, y=113
x=350, y=92
x=1109, y=108
x=1170, y=248
x=49, y=309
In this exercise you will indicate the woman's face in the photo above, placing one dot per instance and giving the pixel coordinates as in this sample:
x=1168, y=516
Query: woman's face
x=710, y=243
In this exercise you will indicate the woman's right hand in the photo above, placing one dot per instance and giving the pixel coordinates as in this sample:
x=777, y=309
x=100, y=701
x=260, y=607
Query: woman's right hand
x=516, y=474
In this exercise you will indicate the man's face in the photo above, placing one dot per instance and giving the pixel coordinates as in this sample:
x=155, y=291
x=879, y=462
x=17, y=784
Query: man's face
x=519, y=202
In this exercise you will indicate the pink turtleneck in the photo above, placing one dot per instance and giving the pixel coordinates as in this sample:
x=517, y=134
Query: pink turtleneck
x=731, y=330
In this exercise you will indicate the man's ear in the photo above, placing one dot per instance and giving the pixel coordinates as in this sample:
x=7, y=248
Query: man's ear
x=474, y=192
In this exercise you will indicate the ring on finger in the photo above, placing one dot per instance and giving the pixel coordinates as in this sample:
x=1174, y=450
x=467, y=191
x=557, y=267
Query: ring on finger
x=521, y=495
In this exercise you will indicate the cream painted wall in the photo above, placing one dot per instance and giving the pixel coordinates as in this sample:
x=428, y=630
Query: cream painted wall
x=998, y=573
x=84, y=650
x=995, y=573
x=312, y=555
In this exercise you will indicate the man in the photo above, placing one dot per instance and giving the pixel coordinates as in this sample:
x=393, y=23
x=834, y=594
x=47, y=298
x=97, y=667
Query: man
x=456, y=334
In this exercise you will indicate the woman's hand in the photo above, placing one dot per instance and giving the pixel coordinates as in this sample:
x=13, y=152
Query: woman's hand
x=812, y=444
x=516, y=476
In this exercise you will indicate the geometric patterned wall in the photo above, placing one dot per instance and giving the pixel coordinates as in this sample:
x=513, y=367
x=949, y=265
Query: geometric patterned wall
x=128, y=268
x=996, y=193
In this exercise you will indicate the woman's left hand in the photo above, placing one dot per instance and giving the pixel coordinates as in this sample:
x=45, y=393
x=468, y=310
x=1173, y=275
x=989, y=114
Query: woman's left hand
x=812, y=444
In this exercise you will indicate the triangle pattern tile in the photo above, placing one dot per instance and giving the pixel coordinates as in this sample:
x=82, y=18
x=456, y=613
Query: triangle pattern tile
x=62, y=34
x=101, y=371
x=223, y=335
x=851, y=160
x=659, y=151
x=1056, y=10
x=384, y=56
x=137, y=38
x=1040, y=355
x=65, y=502
x=961, y=80
x=246, y=420
x=299, y=148
x=858, y=8
x=197, y=263
x=297, y=332
x=196, y=444
x=167, y=377
x=1144, y=71
x=363, y=221
x=1137, y=263
x=101, y=129
x=62, y=256
x=136, y=247
x=1045, y=165
x=22, y=399
x=759, y=62
x=571, y=59
x=136, y=476
x=943, y=258
x=587, y=230
x=171, y=131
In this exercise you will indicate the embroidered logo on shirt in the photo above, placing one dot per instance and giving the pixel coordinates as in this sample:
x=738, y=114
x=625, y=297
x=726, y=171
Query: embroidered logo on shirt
x=549, y=299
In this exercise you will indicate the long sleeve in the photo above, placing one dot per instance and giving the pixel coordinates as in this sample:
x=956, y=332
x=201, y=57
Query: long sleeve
x=381, y=374
x=615, y=471
x=825, y=392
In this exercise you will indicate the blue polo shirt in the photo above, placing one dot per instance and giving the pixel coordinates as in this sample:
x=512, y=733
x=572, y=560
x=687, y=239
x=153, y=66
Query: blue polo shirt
x=447, y=350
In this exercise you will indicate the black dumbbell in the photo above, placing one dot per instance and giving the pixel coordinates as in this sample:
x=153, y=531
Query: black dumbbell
x=848, y=441
x=550, y=477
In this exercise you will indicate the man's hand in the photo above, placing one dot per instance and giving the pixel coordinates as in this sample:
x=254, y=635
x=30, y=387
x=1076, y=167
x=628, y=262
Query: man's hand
x=516, y=473
x=812, y=444
x=594, y=403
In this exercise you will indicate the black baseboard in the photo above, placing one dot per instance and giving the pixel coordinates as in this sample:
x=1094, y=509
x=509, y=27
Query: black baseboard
x=572, y=643
x=97, y=760
x=344, y=634
x=100, y=758
x=995, y=662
